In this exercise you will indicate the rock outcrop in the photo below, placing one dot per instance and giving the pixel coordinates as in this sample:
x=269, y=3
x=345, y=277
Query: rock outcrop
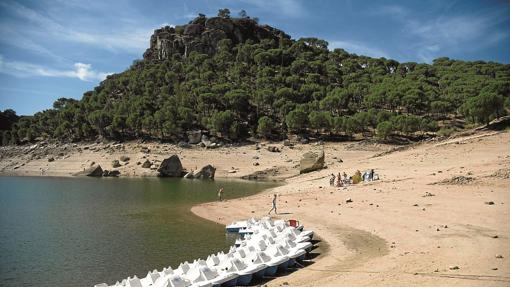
x=170, y=167
x=206, y=172
x=203, y=34
x=94, y=171
x=311, y=161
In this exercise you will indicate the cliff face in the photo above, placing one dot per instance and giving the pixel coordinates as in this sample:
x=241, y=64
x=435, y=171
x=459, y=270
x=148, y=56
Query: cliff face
x=203, y=34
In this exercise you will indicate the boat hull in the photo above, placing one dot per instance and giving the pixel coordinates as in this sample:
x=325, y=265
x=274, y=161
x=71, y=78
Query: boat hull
x=283, y=266
x=271, y=270
x=260, y=273
x=244, y=280
x=230, y=283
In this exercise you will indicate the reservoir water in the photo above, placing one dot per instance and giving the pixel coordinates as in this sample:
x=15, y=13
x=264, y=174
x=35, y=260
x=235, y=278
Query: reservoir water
x=83, y=231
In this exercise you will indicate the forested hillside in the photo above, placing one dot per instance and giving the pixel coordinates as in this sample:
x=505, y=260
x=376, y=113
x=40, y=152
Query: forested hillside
x=237, y=79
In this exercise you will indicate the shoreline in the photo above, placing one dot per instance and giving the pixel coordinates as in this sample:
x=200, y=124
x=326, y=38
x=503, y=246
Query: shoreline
x=437, y=216
x=417, y=226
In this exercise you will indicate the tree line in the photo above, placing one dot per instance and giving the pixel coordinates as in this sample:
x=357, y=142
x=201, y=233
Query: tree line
x=271, y=89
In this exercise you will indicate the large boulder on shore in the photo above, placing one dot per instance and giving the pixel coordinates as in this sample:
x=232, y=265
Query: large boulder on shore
x=207, y=172
x=170, y=167
x=311, y=161
x=94, y=171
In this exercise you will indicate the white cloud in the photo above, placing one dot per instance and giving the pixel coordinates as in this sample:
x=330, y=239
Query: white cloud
x=289, y=8
x=358, y=48
x=432, y=37
x=81, y=71
x=132, y=40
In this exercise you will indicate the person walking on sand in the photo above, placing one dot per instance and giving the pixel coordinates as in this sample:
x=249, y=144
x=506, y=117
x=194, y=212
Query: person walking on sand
x=220, y=194
x=274, y=205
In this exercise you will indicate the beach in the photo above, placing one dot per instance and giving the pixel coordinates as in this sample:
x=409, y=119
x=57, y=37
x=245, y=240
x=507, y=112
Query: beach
x=414, y=227
x=438, y=216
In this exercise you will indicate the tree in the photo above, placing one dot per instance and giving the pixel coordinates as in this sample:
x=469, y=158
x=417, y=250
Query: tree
x=296, y=120
x=224, y=13
x=484, y=107
x=384, y=129
x=225, y=123
x=265, y=127
x=243, y=14
x=319, y=120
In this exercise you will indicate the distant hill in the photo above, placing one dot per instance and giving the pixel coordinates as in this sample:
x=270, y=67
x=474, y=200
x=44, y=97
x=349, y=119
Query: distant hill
x=237, y=79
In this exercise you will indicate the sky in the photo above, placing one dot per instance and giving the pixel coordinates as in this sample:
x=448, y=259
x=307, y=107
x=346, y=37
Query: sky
x=63, y=48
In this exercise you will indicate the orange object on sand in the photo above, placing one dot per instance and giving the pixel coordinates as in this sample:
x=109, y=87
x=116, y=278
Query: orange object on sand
x=293, y=223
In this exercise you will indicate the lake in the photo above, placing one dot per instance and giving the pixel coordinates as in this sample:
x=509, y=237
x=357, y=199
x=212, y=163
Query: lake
x=83, y=231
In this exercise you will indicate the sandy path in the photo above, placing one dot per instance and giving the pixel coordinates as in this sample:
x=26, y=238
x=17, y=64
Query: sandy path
x=392, y=234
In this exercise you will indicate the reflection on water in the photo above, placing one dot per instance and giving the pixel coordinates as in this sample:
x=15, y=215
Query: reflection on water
x=82, y=231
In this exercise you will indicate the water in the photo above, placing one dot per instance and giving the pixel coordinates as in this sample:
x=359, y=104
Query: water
x=83, y=231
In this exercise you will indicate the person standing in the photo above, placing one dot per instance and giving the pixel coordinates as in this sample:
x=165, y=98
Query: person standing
x=274, y=205
x=220, y=194
x=332, y=180
x=339, y=182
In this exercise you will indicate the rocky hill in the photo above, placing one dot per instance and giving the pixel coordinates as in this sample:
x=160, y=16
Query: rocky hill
x=234, y=79
x=203, y=34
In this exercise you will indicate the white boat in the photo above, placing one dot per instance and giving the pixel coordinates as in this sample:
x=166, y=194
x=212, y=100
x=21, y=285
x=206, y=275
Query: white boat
x=276, y=256
x=265, y=247
x=277, y=251
x=172, y=280
x=150, y=279
x=202, y=275
x=133, y=282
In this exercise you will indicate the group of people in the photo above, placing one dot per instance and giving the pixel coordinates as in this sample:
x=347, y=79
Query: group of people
x=342, y=180
x=339, y=180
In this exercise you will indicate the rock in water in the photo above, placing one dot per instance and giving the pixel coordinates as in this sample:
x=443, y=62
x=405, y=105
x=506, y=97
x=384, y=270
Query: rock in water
x=95, y=171
x=146, y=164
x=207, y=172
x=311, y=161
x=171, y=167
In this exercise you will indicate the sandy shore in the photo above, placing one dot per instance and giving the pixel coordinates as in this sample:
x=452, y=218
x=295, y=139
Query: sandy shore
x=392, y=234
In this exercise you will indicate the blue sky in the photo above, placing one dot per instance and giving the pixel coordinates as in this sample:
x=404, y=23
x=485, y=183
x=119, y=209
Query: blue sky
x=62, y=48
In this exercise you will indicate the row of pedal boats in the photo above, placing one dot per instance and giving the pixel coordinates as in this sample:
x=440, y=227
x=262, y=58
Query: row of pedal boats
x=270, y=246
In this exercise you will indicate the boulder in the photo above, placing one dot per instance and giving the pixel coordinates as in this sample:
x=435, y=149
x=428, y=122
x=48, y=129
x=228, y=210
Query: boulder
x=170, y=167
x=207, y=172
x=273, y=149
x=124, y=158
x=147, y=164
x=194, y=137
x=115, y=163
x=311, y=161
x=94, y=170
x=51, y=159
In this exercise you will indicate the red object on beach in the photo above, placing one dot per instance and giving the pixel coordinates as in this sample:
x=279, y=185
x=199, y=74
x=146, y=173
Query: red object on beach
x=293, y=223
